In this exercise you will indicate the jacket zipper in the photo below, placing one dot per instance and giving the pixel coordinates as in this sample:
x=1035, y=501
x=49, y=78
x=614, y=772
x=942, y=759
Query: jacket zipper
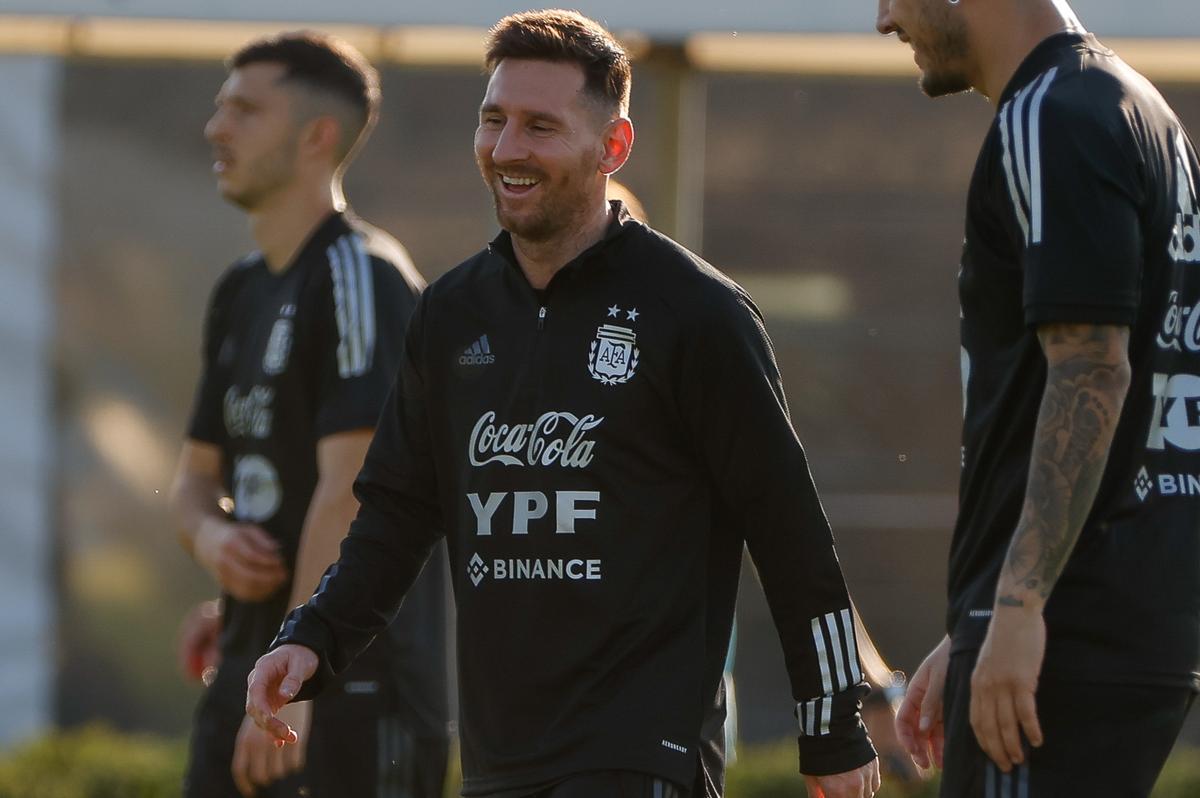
x=541, y=317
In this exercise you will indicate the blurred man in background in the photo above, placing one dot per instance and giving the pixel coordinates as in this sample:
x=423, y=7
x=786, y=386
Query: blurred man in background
x=301, y=343
x=575, y=403
x=1074, y=618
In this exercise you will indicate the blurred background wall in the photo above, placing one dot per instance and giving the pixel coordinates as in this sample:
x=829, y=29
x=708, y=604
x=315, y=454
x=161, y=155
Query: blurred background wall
x=808, y=167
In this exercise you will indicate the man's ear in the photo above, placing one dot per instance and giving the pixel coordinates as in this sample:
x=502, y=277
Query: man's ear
x=618, y=143
x=322, y=136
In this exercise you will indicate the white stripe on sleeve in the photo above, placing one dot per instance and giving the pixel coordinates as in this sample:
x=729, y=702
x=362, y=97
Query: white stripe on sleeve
x=1035, y=156
x=366, y=289
x=822, y=656
x=1006, y=156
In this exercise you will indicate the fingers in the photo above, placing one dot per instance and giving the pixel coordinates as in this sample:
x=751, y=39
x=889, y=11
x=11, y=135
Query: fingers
x=248, y=583
x=275, y=680
x=859, y=783
x=1027, y=716
x=292, y=759
x=256, y=544
x=250, y=566
x=908, y=731
x=241, y=766
x=985, y=722
x=262, y=695
x=937, y=744
x=1009, y=729
x=999, y=715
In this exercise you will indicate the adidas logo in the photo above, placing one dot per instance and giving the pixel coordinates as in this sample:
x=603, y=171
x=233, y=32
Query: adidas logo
x=477, y=354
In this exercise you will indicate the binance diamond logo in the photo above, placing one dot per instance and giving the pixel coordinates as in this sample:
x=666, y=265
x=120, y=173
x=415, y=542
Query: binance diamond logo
x=476, y=569
x=1143, y=485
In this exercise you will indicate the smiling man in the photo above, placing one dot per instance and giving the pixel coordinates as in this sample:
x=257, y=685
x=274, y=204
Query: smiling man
x=301, y=344
x=585, y=409
x=1074, y=618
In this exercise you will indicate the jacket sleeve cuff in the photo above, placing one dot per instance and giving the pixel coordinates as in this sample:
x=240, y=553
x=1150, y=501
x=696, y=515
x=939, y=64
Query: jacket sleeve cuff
x=833, y=738
x=302, y=627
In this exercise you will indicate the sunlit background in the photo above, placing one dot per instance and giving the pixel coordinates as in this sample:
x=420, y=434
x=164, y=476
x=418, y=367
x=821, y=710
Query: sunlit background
x=782, y=140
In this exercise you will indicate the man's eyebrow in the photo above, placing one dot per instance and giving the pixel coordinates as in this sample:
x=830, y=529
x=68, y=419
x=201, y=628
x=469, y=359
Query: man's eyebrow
x=545, y=116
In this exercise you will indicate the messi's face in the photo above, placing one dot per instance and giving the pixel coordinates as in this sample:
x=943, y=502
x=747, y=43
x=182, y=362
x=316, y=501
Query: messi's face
x=539, y=147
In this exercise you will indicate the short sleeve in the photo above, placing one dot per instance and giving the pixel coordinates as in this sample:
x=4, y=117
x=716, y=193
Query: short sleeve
x=1072, y=173
x=364, y=309
x=207, y=420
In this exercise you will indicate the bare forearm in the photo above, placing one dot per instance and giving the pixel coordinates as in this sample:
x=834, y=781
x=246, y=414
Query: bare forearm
x=332, y=509
x=195, y=502
x=1086, y=383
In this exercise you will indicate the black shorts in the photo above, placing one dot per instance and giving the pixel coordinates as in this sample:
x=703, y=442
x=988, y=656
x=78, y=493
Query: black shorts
x=1101, y=740
x=360, y=745
x=602, y=784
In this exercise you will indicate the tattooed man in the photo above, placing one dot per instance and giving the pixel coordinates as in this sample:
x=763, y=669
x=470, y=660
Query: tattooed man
x=1074, y=591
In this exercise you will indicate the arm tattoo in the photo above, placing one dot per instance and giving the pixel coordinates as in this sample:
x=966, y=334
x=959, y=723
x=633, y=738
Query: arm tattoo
x=1087, y=377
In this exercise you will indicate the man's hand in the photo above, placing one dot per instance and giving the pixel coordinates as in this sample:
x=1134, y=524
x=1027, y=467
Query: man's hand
x=197, y=648
x=1004, y=684
x=860, y=783
x=243, y=558
x=275, y=680
x=919, y=723
x=258, y=761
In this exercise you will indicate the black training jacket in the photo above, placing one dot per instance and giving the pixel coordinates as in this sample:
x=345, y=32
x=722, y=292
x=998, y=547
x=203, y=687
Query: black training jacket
x=574, y=446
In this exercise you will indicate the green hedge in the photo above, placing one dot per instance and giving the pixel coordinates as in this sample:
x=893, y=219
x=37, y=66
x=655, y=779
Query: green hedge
x=96, y=762
x=93, y=762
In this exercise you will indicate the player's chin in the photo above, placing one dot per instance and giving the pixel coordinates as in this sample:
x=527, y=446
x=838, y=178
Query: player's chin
x=941, y=82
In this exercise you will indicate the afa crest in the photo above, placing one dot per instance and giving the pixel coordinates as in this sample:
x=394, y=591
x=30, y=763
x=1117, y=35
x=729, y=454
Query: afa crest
x=279, y=346
x=613, y=358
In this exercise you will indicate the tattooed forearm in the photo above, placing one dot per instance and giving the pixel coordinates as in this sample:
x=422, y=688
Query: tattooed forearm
x=1087, y=378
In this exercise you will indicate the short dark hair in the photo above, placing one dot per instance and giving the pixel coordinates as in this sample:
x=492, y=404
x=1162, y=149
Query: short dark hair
x=325, y=64
x=558, y=35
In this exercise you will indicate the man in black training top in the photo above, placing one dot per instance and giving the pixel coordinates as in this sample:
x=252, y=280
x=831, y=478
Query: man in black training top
x=1074, y=596
x=301, y=344
x=574, y=406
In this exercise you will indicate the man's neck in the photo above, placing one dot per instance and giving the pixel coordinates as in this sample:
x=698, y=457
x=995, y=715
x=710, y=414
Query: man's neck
x=285, y=222
x=1009, y=32
x=541, y=260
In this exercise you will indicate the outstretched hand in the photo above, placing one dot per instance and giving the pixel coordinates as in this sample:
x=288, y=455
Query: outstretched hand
x=275, y=680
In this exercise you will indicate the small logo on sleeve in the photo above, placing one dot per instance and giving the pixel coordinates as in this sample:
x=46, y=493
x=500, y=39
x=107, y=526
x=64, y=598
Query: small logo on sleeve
x=676, y=747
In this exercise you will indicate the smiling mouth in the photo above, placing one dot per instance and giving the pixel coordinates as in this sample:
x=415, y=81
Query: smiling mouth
x=516, y=185
x=519, y=181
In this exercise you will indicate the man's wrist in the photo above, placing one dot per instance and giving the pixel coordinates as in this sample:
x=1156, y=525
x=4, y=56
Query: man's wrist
x=209, y=536
x=1012, y=600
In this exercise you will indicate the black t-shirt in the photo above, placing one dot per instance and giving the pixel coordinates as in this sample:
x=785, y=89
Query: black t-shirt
x=292, y=357
x=1082, y=209
x=583, y=451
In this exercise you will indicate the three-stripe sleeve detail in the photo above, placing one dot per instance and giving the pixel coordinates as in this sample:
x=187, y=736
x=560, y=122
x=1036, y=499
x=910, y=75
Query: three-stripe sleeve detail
x=837, y=660
x=1020, y=140
x=354, y=305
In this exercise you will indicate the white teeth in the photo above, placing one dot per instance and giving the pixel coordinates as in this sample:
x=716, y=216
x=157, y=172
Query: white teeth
x=518, y=181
